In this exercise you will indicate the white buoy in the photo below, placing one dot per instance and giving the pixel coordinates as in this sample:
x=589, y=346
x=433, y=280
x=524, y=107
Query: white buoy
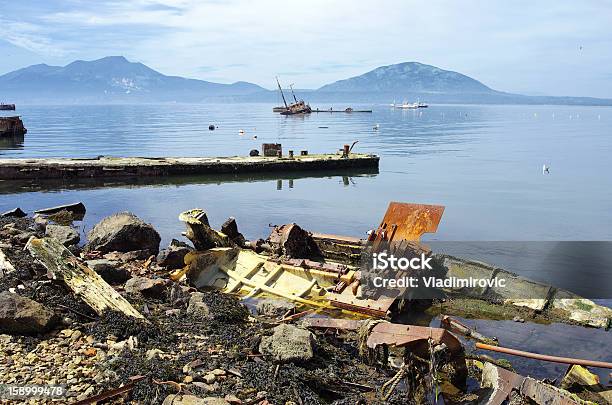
x=545, y=169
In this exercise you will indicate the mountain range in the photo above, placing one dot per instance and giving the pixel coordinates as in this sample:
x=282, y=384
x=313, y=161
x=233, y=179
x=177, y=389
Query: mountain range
x=114, y=79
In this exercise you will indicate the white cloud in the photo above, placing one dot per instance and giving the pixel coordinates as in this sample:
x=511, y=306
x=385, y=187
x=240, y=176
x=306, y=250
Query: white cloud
x=509, y=45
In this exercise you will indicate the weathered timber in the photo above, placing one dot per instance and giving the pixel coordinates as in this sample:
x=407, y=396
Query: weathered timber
x=200, y=233
x=83, y=281
x=107, y=167
x=76, y=208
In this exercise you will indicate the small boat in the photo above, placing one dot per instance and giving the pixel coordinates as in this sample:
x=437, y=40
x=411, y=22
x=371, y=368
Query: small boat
x=6, y=107
x=297, y=107
x=11, y=126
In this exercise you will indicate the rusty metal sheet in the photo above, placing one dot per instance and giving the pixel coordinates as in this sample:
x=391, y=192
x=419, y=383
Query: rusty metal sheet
x=506, y=381
x=390, y=334
x=542, y=393
x=406, y=221
x=399, y=335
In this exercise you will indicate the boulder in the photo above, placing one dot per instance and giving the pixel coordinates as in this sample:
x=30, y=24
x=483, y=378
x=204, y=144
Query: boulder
x=21, y=315
x=175, y=399
x=65, y=234
x=288, y=343
x=148, y=287
x=109, y=270
x=123, y=232
x=173, y=257
x=273, y=307
x=197, y=307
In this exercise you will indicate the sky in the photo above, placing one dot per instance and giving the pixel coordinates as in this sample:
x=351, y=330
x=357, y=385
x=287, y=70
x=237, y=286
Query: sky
x=531, y=47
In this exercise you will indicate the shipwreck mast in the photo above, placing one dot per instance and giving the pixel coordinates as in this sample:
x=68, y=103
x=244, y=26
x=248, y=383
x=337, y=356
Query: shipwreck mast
x=291, y=87
x=281, y=92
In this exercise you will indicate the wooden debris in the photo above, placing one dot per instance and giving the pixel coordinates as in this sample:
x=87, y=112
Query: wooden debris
x=76, y=208
x=200, y=233
x=454, y=325
x=84, y=282
x=14, y=213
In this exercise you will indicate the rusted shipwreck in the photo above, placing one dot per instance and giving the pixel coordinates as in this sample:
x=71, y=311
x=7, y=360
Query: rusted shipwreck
x=12, y=126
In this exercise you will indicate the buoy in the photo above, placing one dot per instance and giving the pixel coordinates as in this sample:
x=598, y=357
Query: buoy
x=211, y=127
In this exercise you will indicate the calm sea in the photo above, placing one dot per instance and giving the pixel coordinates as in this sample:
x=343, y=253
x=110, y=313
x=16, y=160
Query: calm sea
x=483, y=163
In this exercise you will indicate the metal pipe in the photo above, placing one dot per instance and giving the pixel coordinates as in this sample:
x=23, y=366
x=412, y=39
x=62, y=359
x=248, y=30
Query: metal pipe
x=544, y=357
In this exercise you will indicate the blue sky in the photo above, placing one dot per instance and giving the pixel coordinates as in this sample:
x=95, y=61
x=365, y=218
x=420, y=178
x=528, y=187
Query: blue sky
x=532, y=47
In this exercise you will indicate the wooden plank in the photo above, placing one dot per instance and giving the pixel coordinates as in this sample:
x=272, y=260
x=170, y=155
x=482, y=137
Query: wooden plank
x=83, y=281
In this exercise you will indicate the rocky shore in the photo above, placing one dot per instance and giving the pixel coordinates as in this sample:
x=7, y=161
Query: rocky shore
x=188, y=346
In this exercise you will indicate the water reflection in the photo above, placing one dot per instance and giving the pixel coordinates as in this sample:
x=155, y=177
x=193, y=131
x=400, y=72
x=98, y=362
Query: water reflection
x=348, y=176
x=11, y=142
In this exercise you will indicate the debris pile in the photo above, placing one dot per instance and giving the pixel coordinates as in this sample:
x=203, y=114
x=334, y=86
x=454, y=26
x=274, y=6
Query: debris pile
x=119, y=321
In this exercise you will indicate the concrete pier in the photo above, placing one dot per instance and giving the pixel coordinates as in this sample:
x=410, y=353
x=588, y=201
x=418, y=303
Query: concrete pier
x=109, y=167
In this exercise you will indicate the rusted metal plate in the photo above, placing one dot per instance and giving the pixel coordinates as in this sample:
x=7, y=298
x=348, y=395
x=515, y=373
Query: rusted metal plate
x=542, y=393
x=503, y=382
x=405, y=221
x=398, y=335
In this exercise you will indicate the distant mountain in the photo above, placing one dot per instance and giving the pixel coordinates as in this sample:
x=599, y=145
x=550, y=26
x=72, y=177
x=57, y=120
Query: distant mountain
x=413, y=80
x=112, y=78
x=409, y=77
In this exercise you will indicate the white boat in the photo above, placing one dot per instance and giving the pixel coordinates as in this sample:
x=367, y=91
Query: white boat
x=405, y=105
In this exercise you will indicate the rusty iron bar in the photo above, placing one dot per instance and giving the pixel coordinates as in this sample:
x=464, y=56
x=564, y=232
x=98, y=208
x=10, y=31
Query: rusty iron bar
x=544, y=357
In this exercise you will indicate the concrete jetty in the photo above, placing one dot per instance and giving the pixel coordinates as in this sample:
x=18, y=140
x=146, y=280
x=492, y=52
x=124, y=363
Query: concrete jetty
x=108, y=167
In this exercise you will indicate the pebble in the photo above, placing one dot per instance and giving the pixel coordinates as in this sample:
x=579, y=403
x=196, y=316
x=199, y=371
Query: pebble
x=209, y=378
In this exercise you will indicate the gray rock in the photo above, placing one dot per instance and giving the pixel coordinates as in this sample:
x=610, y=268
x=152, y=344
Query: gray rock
x=173, y=257
x=123, y=232
x=109, y=270
x=65, y=234
x=288, y=343
x=174, y=399
x=197, y=307
x=274, y=308
x=21, y=315
x=148, y=287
